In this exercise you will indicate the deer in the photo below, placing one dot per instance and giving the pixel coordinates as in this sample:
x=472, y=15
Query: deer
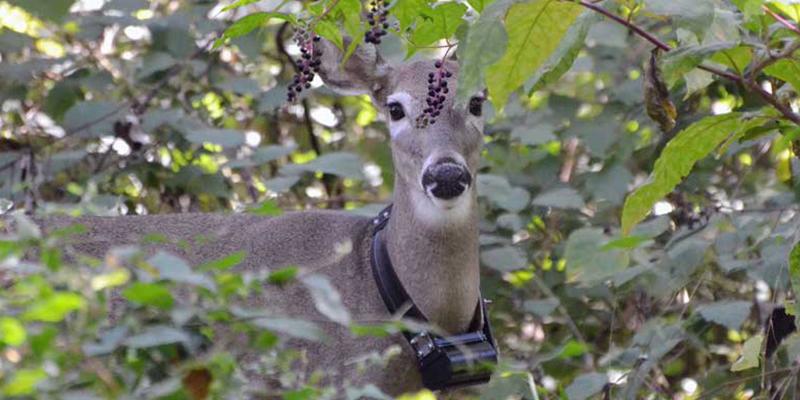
x=430, y=235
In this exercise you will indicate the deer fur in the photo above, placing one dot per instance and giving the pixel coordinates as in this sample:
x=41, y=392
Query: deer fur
x=433, y=244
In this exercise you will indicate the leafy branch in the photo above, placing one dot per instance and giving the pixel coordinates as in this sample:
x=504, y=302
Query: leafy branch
x=750, y=83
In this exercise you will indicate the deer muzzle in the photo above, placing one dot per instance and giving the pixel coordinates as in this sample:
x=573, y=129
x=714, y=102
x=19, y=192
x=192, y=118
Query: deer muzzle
x=446, y=179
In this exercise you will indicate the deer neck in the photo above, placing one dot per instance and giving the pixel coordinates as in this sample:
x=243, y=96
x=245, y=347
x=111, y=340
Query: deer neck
x=436, y=259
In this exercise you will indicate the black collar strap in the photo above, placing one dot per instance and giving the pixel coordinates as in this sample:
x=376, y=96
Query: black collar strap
x=449, y=362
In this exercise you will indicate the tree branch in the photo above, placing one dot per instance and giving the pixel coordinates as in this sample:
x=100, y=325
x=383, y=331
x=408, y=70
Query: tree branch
x=782, y=20
x=751, y=85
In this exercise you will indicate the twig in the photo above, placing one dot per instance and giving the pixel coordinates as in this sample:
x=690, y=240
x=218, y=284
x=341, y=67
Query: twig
x=752, y=86
x=781, y=20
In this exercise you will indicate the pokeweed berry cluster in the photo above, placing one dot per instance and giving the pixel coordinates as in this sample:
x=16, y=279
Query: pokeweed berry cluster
x=308, y=65
x=437, y=91
x=377, y=21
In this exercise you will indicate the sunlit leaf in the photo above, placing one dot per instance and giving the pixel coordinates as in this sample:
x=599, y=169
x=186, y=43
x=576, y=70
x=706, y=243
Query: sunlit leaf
x=55, y=307
x=534, y=31
x=149, y=294
x=12, y=332
x=678, y=158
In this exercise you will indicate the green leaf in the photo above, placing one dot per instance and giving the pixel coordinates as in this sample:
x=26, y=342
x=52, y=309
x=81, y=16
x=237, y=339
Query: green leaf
x=149, y=294
x=504, y=258
x=227, y=262
x=730, y=314
x=586, y=386
x=794, y=278
x=91, y=119
x=541, y=308
x=173, y=268
x=227, y=138
x=677, y=63
x=282, y=276
x=564, y=55
x=626, y=243
x=479, y=5
x=349, y=11
x=154, y=62
x=53, y=10
x=407, y=11
x=751, y=354
x=694, y=15
x=54, y=308
x=327, y=299
x=678, y=158
x=438, y=23
x=157, y=335
x=343, y=164
x=261, y=156
x=24, y=382
x=564, y=197
x=330, y=31
x=486, y=42
x=787, y=70
x=268, y=208
x=12, y=332
x=293, y=327
x=117, y=277
x=248, y=23
x=238, y=3
x=500, y=192
x=587, y=261
x=535, y=30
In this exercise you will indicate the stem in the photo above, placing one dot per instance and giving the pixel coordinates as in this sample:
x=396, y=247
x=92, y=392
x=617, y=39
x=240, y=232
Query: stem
x=639, y=31
x=747, y=83
x=781, y=20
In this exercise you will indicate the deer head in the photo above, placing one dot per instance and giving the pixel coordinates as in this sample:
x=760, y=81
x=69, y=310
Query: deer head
x=435, y=159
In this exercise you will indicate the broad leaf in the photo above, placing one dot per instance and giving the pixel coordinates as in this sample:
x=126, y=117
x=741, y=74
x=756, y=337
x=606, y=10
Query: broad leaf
x=677, y=63
x=505, y=258
x=327, y=299
x=794, y=278
x=149, y=294
x=564, y=56
x=586, y=386
x=751, y=354
x=54, y=308
x=92, y=118
x=438, y=23
x=730, y=314
x=224, y=137
x=157, y=335
x=486, y=42
x=587, y=259
x=250, y=22
x=535, y=30
x=678, y=158
x=346, y=165
x=787, y=70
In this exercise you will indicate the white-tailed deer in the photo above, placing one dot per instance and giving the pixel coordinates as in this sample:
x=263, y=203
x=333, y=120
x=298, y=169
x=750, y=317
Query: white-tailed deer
x=431, y=236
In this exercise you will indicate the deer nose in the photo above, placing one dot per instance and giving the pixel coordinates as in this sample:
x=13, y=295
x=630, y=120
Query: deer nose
x=446, y=179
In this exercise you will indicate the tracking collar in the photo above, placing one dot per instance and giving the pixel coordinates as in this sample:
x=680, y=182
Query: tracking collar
x=444, y=362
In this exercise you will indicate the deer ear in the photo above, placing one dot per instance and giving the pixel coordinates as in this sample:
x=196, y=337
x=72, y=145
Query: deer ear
x=364, y=72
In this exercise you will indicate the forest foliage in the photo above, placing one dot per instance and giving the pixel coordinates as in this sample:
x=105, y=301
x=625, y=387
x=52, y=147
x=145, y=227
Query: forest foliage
x=638, y=188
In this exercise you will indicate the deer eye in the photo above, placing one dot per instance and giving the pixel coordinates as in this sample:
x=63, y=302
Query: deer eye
x=396, y=111
x=476, y=106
